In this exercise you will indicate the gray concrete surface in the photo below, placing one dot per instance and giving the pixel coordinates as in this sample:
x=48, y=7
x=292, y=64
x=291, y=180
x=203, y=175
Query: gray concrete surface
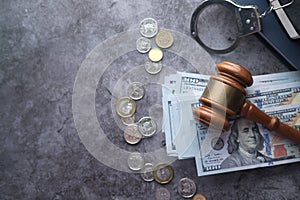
x=42, y=46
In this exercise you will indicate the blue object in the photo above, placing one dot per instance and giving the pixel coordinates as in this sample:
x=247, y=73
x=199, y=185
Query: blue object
x=275, y=35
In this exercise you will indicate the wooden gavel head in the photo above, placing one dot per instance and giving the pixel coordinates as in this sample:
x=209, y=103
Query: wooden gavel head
x=224, y=95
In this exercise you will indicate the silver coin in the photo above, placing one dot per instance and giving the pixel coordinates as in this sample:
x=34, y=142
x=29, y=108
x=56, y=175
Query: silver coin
x=164, y=39
x=132, y=134
x=148, y=27
x=135, y=161
x=162, y=194
x=147, y=172
x=153, y=67
x=136, y=90
x=143, y=45
x=186, y=188
x=147, y=126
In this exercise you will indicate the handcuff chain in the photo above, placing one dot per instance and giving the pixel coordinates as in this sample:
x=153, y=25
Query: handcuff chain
x=272, y=7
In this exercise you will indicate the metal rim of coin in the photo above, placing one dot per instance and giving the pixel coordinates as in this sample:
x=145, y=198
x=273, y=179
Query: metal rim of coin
x=135, y=161
x=132, y=134
x=153, y=67
x=143, y=45
x=155, y=54
x=186, y=188
x=147, y=126
x=147, y=172
x=199, y=197
x=158, y=178
x=125, y=112
x=162, y=194
x=164, y=39
x=136, y=91
x=148, y=27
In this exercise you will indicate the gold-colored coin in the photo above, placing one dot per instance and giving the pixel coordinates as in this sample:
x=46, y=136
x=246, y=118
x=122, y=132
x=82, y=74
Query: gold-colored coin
x=164, y=39
x=155, y=54
x=125, y=107
x=199, y=197
x=163, y=173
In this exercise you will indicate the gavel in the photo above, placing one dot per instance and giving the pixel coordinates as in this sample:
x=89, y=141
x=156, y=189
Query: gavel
x=224, y=98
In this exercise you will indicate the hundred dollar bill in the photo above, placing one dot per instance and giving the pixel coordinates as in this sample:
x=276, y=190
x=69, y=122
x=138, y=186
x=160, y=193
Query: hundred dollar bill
x=226, y=154
x=276, y=78
x=275, y=95
x=191, y=83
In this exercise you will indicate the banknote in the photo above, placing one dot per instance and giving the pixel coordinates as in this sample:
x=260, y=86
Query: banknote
x=275, y=95
x=181, y=87
x=190, y=86
x=217, y=155
x=191, y=83
x=276, y=78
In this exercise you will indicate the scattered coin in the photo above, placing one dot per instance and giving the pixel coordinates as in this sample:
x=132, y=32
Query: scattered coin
x=147, y=126
x=143, y=45
x=163, y=173
x=125, y=107
x=136, y=91
x=164, y=39
x=129, y=120
x=147, y=172
x=132, y=134
x=153, y=67
x=162, y=194
x=135, y=161
x=199, y=197
x=148, y=27
x=155, y=54
x=186, y=188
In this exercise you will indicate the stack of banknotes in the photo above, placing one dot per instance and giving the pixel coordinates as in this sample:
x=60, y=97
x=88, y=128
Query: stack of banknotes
x=276, y=94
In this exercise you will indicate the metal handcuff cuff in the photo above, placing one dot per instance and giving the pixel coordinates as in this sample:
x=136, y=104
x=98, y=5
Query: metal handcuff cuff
x=248, y=21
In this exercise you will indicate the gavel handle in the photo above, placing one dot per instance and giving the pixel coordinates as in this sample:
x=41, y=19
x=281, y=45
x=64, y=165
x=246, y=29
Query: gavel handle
x=251, y=112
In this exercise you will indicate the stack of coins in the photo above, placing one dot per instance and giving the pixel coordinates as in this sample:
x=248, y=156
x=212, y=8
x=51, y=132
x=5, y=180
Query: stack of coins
x=163, y=40
x=125, y=107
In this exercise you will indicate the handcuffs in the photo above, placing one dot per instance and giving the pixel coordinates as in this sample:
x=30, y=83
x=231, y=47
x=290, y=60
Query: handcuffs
x=247, y=17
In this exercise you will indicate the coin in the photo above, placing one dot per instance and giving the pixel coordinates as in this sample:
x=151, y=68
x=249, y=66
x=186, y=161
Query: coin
x=143, y=45
x=147, y=126
x=129, y=120
x=163, y=173
x=147, y=172
x=164, y=39
x=132, y=134
x=162, y=194
x=186, y=188
x=199, y=197
x=155, y=54
x=125, y=107
x=136, y=91
x=135, y=161
x=148, y=27
x=153, y=67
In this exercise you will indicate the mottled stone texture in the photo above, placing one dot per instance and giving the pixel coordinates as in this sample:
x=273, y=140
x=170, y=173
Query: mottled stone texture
x=42, y=45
